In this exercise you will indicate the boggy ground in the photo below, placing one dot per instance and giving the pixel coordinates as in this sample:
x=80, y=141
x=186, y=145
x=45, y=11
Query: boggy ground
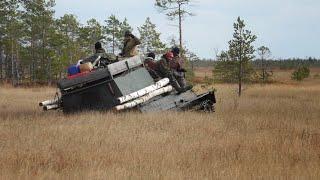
x=271, y=132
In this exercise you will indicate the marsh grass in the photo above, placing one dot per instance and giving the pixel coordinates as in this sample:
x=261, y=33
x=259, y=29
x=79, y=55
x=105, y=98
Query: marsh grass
x=271, y=132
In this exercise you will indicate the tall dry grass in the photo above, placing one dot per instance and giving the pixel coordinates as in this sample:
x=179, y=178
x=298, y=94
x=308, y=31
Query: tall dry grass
x=272, y=132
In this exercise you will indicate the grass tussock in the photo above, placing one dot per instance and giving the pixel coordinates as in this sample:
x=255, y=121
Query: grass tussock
x=271, y=132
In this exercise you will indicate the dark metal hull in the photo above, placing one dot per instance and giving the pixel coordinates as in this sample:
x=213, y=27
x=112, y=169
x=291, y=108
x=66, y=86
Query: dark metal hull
x=179, y=102
x=101, y=89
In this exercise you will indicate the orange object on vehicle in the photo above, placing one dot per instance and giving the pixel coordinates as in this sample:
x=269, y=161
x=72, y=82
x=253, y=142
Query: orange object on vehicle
x=87, y=67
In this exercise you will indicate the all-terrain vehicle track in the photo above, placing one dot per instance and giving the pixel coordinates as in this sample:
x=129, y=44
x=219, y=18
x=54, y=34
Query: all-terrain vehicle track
x=125, y=85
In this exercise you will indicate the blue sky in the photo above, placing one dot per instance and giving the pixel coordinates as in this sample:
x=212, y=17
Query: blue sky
x=290, y=28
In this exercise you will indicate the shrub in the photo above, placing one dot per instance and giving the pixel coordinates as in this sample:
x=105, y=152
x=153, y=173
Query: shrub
x=301, y=73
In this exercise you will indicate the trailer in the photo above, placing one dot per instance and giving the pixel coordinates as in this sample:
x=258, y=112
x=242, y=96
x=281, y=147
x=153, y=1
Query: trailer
x=121, y=86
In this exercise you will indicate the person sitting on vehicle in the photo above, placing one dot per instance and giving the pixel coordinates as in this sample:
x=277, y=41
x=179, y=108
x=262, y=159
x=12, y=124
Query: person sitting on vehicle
x=164, y=70
x=130, y=45
x=151, y=65
x=105, y=58
x=176, y=66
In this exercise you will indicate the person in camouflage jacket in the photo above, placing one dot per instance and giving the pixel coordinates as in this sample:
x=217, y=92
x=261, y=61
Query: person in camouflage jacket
x=164, y=70
x=176, y=66
x=130, y=45
x=99, y=51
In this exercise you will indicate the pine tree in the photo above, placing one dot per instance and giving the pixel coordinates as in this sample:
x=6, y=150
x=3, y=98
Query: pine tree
x=65, y=43
x=113, y=32
x=124, y=26
x=59, y=57
x=235, y=64
x=95, y=31
x=191, y=59
x=11, y=32
x=241, y=50
x=264, y=53
x=175, y=9
x=150, y=38
x=68, y=29
x=39, y=22
x=225, y=70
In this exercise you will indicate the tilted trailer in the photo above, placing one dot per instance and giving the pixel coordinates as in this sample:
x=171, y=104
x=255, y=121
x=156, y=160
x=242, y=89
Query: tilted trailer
x=125, y=85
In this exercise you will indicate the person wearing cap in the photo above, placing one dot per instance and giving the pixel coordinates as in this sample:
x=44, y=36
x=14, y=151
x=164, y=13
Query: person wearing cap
x=99, y=51
x=176, y=66
x=151, y=65
x=164, y=70
x=177, y=61
x=130, y=45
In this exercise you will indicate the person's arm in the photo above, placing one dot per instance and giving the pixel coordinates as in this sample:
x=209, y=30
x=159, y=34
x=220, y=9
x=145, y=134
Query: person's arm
x=89, y=59
x=111, y=57
x=178, y=74
x=183, y=70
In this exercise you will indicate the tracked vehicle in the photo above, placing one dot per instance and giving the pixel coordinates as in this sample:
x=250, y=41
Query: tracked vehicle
x=124, y=85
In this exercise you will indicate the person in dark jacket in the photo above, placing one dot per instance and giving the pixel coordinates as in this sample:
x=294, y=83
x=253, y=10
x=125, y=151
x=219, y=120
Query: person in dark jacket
x=176, y=66
x=151, y=65
x=164, y=70
x=99, y=51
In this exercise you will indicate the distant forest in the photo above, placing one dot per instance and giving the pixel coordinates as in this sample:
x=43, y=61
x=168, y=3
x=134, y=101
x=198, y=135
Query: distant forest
x=285, y=64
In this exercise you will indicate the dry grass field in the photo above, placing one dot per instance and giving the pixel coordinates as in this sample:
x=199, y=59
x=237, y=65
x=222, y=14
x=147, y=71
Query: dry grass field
x=271, y=132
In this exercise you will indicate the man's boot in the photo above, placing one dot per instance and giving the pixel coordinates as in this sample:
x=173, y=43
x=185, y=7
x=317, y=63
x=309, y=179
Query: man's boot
x=177, y=87
x=189, y=87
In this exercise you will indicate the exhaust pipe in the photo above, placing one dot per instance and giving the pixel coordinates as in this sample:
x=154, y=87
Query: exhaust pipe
x=50, y=107
x=49, y=102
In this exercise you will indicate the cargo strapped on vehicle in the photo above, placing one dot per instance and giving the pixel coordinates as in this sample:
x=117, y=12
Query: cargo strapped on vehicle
x=125, y=65
x=89, y=77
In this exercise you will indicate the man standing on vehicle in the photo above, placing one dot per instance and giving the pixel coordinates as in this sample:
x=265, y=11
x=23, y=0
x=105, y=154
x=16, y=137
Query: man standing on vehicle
x=130, y=45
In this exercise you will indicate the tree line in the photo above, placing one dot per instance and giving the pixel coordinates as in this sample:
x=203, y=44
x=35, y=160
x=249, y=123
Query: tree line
x=283, y=64
x=37, y=47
